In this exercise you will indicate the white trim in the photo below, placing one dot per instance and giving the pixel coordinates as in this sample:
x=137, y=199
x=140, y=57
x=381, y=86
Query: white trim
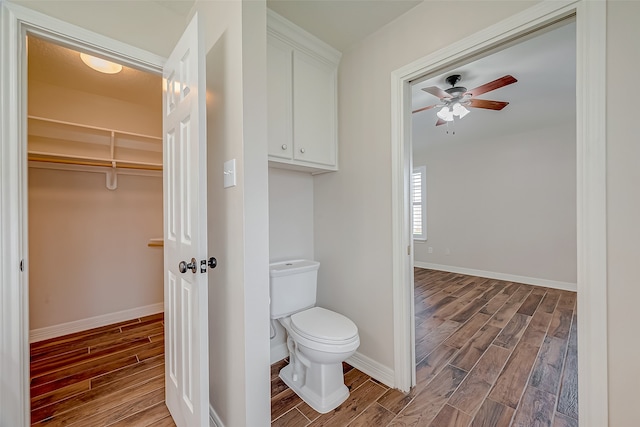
x=375, y=370
x=591, y=188
x=214, y=418
x=279, y=352
x=93, y=322
x=555, y=284
x=14, y=285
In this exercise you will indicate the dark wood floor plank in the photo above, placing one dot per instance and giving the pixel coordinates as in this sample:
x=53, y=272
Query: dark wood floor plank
x=79, y=407
x=512, y=332
x=359, y=400
x=431, y=365
x=493, y=414
x=513, y=379
x=468, y=330
x=284, y=402
x=473, y=390
x=428, y=403
x=293, y=418
x=308, y=411
x=536, y=409
x=506, y=312
x=561, y=420
x=568, y=398
x=125, y=410
x=548, y=368
x=374, y=415
x=471, y=352
x=469, y=310
x=127, y=371
x=496, y=303
x=81, y=372
x=144, y=417
x=450, y=417
x=164, y=422
x=550, y=300
x=530, y=305
x=427, y=343
x=59, y=393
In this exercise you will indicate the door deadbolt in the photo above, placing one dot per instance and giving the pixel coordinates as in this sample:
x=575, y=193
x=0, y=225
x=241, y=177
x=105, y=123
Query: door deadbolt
x=193, y=266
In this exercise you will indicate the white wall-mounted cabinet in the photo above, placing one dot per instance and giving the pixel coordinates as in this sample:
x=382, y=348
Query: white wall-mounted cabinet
x=302, y=98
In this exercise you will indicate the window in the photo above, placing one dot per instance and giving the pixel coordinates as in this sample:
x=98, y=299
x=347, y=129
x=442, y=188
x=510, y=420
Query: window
x=419, y=202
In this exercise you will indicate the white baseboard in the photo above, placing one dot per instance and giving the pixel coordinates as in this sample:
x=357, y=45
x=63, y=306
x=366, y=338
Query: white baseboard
x=54, y=331
x=214, y=419
x=565, y=286
x=279, y=352
x=372, y=368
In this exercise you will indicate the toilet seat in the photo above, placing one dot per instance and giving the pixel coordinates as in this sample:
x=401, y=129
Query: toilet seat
x=324, y=326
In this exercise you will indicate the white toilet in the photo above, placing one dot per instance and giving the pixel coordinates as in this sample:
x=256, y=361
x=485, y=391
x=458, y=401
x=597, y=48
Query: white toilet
x=319, y=340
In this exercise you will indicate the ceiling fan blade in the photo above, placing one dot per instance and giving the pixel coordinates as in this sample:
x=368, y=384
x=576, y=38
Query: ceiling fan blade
x=440, y=122
x=424, y=108
x=436, y=91
x=496, y=84
x=489, y=105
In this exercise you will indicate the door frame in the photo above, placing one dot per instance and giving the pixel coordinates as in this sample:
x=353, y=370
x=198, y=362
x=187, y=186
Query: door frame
x=591, y=189
x=17, y=22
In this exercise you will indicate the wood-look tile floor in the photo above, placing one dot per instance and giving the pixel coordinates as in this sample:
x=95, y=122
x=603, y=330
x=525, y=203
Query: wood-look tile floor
x=489, y=353
x=108, y=376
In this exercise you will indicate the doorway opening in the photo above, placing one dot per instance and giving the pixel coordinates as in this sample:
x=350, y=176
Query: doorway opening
x=590, y=187
x=95, y=220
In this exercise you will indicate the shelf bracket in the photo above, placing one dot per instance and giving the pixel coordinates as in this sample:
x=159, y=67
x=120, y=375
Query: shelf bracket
x=112, y=177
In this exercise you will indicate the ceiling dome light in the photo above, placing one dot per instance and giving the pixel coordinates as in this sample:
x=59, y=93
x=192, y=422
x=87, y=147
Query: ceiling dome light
x=101, y=65
x=459, y=110
x=445, y=114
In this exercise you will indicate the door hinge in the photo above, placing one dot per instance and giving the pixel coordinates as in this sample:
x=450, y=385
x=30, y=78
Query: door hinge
x=21, y=265
x=409, y=250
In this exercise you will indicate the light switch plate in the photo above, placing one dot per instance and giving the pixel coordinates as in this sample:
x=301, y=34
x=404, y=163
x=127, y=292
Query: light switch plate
x=230, y=173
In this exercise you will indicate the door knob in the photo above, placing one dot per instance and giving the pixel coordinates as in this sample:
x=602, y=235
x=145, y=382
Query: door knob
x=212, y=263
x=183, y=266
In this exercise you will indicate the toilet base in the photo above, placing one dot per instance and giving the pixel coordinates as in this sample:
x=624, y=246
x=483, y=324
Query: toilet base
x=319, y=403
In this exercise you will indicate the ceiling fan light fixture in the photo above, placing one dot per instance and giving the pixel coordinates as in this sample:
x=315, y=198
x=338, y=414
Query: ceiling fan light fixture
x=459, y=110
x=101, y=65
x=445, y=114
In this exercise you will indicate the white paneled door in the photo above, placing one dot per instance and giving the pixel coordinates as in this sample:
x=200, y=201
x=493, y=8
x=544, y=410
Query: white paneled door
x=185, y=232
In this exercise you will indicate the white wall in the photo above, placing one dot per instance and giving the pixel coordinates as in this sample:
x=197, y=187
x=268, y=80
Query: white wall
x=623, y=210
x=503, y=205
x=235, y=42
x=352, y=207
x=290, y=229
x=290, y=215
x=88, y=245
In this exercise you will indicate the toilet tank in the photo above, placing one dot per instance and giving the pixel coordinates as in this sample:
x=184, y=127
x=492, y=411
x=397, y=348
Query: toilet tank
x=292, y=286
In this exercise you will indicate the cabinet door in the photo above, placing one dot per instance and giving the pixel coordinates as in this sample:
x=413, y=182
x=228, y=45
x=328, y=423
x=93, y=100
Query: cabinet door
x=314, y=106
x=279, y=113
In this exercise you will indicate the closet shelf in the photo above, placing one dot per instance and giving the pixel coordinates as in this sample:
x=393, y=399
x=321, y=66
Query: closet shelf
x=66, y=143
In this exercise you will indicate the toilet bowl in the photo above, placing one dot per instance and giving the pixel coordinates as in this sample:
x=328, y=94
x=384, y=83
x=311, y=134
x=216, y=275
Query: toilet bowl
x=319, y=340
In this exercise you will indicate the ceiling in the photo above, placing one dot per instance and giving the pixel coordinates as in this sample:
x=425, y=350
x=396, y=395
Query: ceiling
x=341, y=23
x=60, y=66
x=544, y=95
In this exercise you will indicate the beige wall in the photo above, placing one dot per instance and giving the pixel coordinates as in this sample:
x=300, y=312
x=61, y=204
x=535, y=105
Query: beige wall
x=505, y=204
x=623, y=211
x=88, y=245
x=290, y=228
x=352, y=208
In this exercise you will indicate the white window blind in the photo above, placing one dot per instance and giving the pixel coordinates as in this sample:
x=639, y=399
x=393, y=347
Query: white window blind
x=419, y=202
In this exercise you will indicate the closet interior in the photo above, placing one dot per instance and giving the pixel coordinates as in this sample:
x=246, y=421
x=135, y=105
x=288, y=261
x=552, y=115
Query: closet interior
x=94, y=192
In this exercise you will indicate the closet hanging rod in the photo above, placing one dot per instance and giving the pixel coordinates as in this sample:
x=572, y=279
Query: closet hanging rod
x=104, y=163
x=62, y=122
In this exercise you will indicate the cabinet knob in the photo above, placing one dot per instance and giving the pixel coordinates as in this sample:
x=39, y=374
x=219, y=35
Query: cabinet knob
x=284, y=146
x=302, y=150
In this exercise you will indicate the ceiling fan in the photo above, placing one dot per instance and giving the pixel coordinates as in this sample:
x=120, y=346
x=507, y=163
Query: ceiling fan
x=454, y=100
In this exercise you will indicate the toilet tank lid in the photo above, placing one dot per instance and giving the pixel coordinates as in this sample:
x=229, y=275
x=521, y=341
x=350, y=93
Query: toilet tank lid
x=297, y=266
